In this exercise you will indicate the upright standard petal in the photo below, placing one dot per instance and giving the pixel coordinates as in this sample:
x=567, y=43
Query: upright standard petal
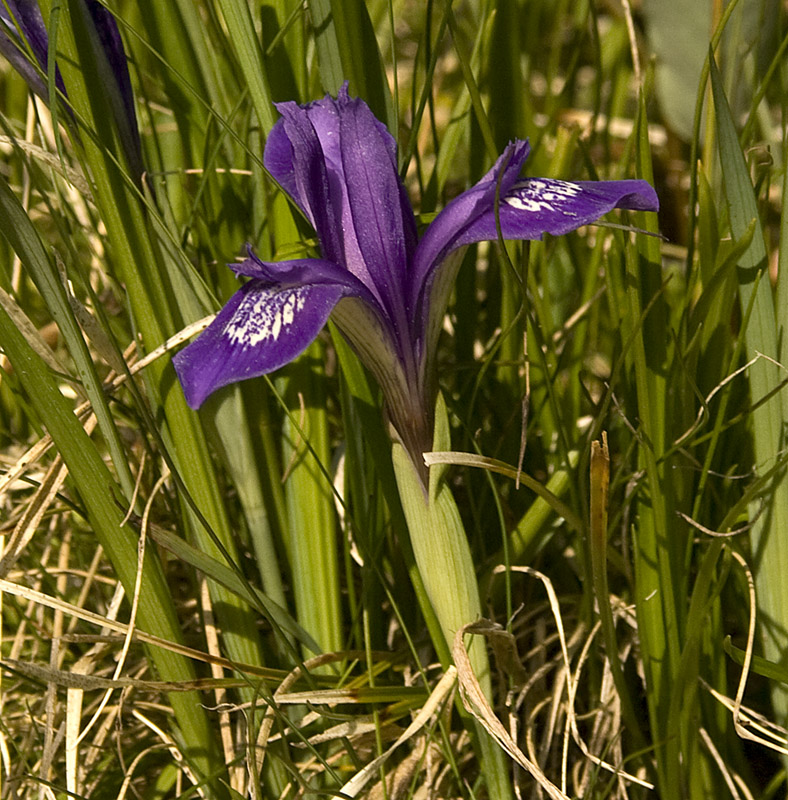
x=380, y=211
x=303, y=154
x=294, y=156
x=338, y=163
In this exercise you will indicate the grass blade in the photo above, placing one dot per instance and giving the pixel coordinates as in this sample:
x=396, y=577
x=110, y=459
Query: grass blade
x=770, y=547
x=156, y=613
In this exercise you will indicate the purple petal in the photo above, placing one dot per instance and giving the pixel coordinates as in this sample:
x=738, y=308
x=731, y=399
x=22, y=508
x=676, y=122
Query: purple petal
x=121, y=95
x=259, y=330
x=303, y=154
x=31, y=24
x=278, y=160
x=271, y=319
x=294, y=156
x=20, y=61
x=535, y=206
x=338, y=162
x=379, y=210
x=443, y=234
x=25, y=18
x=528, y=209
x=305, y=271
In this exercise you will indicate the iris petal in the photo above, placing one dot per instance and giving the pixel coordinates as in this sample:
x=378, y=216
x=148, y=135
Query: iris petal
x=307, y=271
x=442, y=236
x=535, y=206
x=259, y=330
x=528, y=209
x=303, y=154
x=272, y=319
x=31, y=22
x=384, y=230
x=339, y=164
x=278, y=160
x=25, y=18
x=295, y=157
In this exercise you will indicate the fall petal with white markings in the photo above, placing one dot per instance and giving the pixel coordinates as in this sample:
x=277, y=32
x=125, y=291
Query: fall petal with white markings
x=258, y=331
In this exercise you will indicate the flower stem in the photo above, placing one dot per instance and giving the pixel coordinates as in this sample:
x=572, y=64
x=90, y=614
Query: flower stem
x=443, y=557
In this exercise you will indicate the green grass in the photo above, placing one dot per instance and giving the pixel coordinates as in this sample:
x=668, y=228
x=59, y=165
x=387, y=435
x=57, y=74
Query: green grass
x=276, y=527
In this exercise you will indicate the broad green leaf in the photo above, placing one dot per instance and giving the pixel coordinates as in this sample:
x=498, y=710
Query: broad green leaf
x=770, y=546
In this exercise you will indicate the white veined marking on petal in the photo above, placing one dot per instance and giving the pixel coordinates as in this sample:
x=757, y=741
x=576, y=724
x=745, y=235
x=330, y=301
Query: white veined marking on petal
x=263, y=316
x=534, y=194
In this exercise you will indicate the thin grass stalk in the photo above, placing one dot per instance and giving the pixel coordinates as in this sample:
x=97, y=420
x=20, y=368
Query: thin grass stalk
x=529, y=534
x=233, y=439
x=598, y=534
x=207, y=61
x=459, y=127
x=694, y=161
x=365, y=516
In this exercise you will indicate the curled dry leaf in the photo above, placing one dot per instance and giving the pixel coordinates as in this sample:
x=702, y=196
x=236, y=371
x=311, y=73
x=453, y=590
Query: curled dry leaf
x=474, y=700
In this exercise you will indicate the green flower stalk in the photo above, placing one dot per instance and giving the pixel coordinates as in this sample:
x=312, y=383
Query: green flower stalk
x=444, y=561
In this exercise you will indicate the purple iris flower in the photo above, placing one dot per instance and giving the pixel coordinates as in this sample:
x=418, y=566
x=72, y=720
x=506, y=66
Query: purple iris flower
x=24, y=41
x=386, y=288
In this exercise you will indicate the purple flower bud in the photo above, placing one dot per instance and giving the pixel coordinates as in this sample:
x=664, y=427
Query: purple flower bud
x=24, y=41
